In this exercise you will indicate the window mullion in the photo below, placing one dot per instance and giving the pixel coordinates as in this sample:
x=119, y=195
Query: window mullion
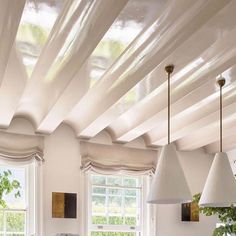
x=106, y=203
x=123, y=201
x=4, y=222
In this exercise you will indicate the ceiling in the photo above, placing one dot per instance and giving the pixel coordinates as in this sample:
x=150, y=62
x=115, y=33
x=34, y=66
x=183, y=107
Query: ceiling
x=99, y=65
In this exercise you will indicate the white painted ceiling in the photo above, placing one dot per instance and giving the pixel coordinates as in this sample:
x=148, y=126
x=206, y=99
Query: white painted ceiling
x=99, y=65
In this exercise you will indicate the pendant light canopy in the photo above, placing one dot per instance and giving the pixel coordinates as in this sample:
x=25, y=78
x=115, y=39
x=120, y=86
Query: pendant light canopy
x=169, y=185
x=220, y=186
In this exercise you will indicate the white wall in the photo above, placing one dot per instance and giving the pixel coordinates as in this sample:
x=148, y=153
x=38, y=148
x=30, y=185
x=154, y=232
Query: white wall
x=232, y=159
x=196, y=166
x=61, y=172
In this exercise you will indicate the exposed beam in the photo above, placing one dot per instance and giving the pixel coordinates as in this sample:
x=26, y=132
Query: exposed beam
x=149, y=113
x=13, y=84
x=72, y=93
x=229, y=143
x=191, y=120
x=51, y=121
x=209, y=131
x=181, y=119
x=65, y=21
x=94, y=20
x=10, y=15
x=181, y=25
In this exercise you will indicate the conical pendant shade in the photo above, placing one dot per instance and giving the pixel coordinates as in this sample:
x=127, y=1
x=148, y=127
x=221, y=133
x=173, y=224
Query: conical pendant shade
x=220, y=187
x=169, y=185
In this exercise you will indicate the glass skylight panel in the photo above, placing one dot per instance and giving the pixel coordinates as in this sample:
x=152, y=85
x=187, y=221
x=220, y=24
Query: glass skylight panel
x=131, y=21
x=36, y=23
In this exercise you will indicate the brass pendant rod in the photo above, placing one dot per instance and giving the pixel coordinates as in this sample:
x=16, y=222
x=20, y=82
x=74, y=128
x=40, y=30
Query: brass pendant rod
x=169, y=69
x=221, y=83
x=168, y=108
x=221, y=120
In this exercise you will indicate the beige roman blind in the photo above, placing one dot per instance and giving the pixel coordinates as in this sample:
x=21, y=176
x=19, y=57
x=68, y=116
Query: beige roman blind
x=20, y=147
x=111, y=159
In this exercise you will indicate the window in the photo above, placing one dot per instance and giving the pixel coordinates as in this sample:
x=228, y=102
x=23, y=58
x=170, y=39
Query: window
x=115, y=207
x=13, y=217
x=19, y=217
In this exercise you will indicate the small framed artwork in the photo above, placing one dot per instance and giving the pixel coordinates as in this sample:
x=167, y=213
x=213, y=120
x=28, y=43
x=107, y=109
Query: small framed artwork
x=190, y=212
x=64, y=205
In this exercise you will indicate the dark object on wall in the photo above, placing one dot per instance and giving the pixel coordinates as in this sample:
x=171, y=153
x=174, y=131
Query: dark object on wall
x=190, y=212
x=64, y=205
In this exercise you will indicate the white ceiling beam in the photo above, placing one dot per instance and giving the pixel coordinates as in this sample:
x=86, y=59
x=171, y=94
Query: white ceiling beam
x=229, y=143
x=10, y=15
x=70, y=96
x=209, y=129
x=191, y=120
x=146, y=115
x=181, y=117
x=64, y=23
x=162, y=44
x=13, y=84
x=95, y=19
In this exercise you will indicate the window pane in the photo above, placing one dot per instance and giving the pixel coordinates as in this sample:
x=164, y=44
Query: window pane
x=98, y=179
x=130, y=202
x=99, y=190
x=131, y=221
x=99, y=220
x=15, y=221
x=116, y=220
x=98, y=204
x=114, y=181
x=115, y=191
x=131, y=182
x=19, y=175
x=115, y=201
x=113, y=233
x=130, y=192
x=14, y=234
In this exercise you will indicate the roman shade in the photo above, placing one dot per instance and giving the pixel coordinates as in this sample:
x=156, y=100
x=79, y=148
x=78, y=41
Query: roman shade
x=20, y=147
x=111, y=159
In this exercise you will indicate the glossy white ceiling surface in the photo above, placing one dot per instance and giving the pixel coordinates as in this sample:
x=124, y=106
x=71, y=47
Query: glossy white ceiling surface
x=99, y=65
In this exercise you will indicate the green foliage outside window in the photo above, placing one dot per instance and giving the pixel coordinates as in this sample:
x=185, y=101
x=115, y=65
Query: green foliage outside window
x=15, y=220
x=114, y=220
x=113, y=234
x=7, y=186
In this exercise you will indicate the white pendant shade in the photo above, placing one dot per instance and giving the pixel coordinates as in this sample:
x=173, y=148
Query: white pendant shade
x=169, y=185
x=220, y=186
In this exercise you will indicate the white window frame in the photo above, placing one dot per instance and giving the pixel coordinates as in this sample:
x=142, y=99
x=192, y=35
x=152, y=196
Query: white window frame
x=144, y=211
x=33, y=195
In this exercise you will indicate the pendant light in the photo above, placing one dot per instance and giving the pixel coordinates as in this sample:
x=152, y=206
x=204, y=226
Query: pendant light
x=169, y=185
x=220, y=186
